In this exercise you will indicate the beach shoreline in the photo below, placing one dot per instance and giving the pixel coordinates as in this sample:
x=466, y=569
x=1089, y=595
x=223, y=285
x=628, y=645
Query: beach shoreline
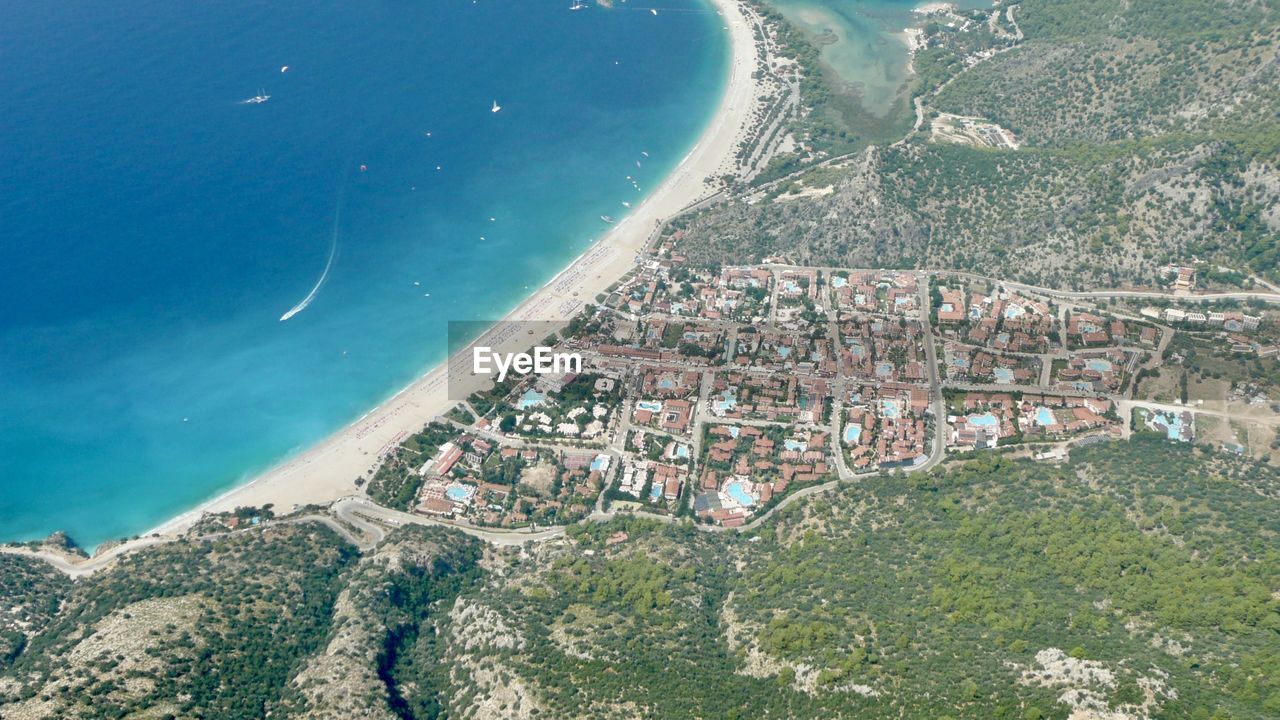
x=328, y=470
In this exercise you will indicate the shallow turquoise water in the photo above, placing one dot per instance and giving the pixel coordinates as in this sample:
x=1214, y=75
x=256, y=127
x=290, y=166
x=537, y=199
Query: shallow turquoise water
x=155, y=228
x=868, y=52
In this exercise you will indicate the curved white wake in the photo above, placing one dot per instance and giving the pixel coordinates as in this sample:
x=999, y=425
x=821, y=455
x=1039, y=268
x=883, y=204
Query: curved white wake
x=333, y=250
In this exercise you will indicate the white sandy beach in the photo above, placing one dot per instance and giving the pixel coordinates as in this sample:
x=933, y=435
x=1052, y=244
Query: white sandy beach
x=328, y=470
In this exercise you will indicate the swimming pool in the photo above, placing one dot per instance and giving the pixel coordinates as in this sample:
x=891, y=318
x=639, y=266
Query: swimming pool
x=650, y=405
x=795, y=445
x=1098, y=365
x=459, y=493
x=666, y=383
x=726, y=402
x=784, y=352
x=983, y=420
x=600, y=463
x=884, y=369
x=1044, y=417
x=852, y=433
x=838, y=282
x=738, y=494
x=655, y=492
x=1004, y=376
x=530, y=398
x=1173, y=425
x=1013, y=311
x=889, y=408
x=682, y=451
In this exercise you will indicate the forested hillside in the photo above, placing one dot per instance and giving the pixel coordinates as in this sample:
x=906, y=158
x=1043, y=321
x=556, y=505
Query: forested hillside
x=1148, y=132
x=997, y=589
x=993, y=589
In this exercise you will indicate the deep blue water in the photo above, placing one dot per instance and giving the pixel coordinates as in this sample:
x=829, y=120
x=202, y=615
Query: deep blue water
x=153, y=228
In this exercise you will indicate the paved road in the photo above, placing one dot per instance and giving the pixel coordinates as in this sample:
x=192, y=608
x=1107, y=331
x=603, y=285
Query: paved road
x=78, y=568
x=1126, y=407
x=365, y=515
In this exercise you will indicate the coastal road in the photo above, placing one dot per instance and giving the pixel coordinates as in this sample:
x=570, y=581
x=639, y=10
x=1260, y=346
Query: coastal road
x=360, y=512
x=76, y=567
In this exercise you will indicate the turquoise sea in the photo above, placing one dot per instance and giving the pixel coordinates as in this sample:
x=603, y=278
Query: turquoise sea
x=154, y=227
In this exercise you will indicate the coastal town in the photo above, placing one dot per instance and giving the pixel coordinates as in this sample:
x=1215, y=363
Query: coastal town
x=714, y=393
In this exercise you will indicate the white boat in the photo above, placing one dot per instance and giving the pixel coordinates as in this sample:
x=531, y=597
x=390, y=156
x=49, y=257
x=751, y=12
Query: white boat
x=655, y=12
x=608, y=219
x=626, y=204
x=496, y=106
x=258, y=99
x=578, y=5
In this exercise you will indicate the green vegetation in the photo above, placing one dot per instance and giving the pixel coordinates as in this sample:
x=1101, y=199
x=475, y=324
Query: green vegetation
x=950, y=594
x=1149, y=134
x=924, y=596
x=31, y=592
x=396, y=482
x=196, y=629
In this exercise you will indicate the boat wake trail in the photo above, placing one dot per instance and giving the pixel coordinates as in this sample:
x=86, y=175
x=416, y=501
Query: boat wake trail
x=333, y=250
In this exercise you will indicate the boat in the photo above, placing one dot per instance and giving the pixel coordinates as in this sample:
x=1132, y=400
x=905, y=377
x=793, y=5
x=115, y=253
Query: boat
x=655, y=12
x=626, y=204
x=608, y=219
x=496, y=106
x=578, y=5
x=258, y=99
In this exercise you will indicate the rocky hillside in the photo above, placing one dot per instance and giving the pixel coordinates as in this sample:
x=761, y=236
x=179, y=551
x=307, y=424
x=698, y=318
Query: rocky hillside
x=1146, y=132
x=992, y=589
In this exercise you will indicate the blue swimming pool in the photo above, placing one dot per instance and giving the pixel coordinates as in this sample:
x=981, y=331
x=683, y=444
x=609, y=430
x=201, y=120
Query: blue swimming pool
x=459, y=493
x=650, y=405
x=1098, y=365
x=1044, y=417
x=796, y=445
x=738, y=494
x=726, y=402
x=984, y=420
x=530, y=398
x=889, y=408
x=852, y=433
x=1003, y=376
x=655, y=491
